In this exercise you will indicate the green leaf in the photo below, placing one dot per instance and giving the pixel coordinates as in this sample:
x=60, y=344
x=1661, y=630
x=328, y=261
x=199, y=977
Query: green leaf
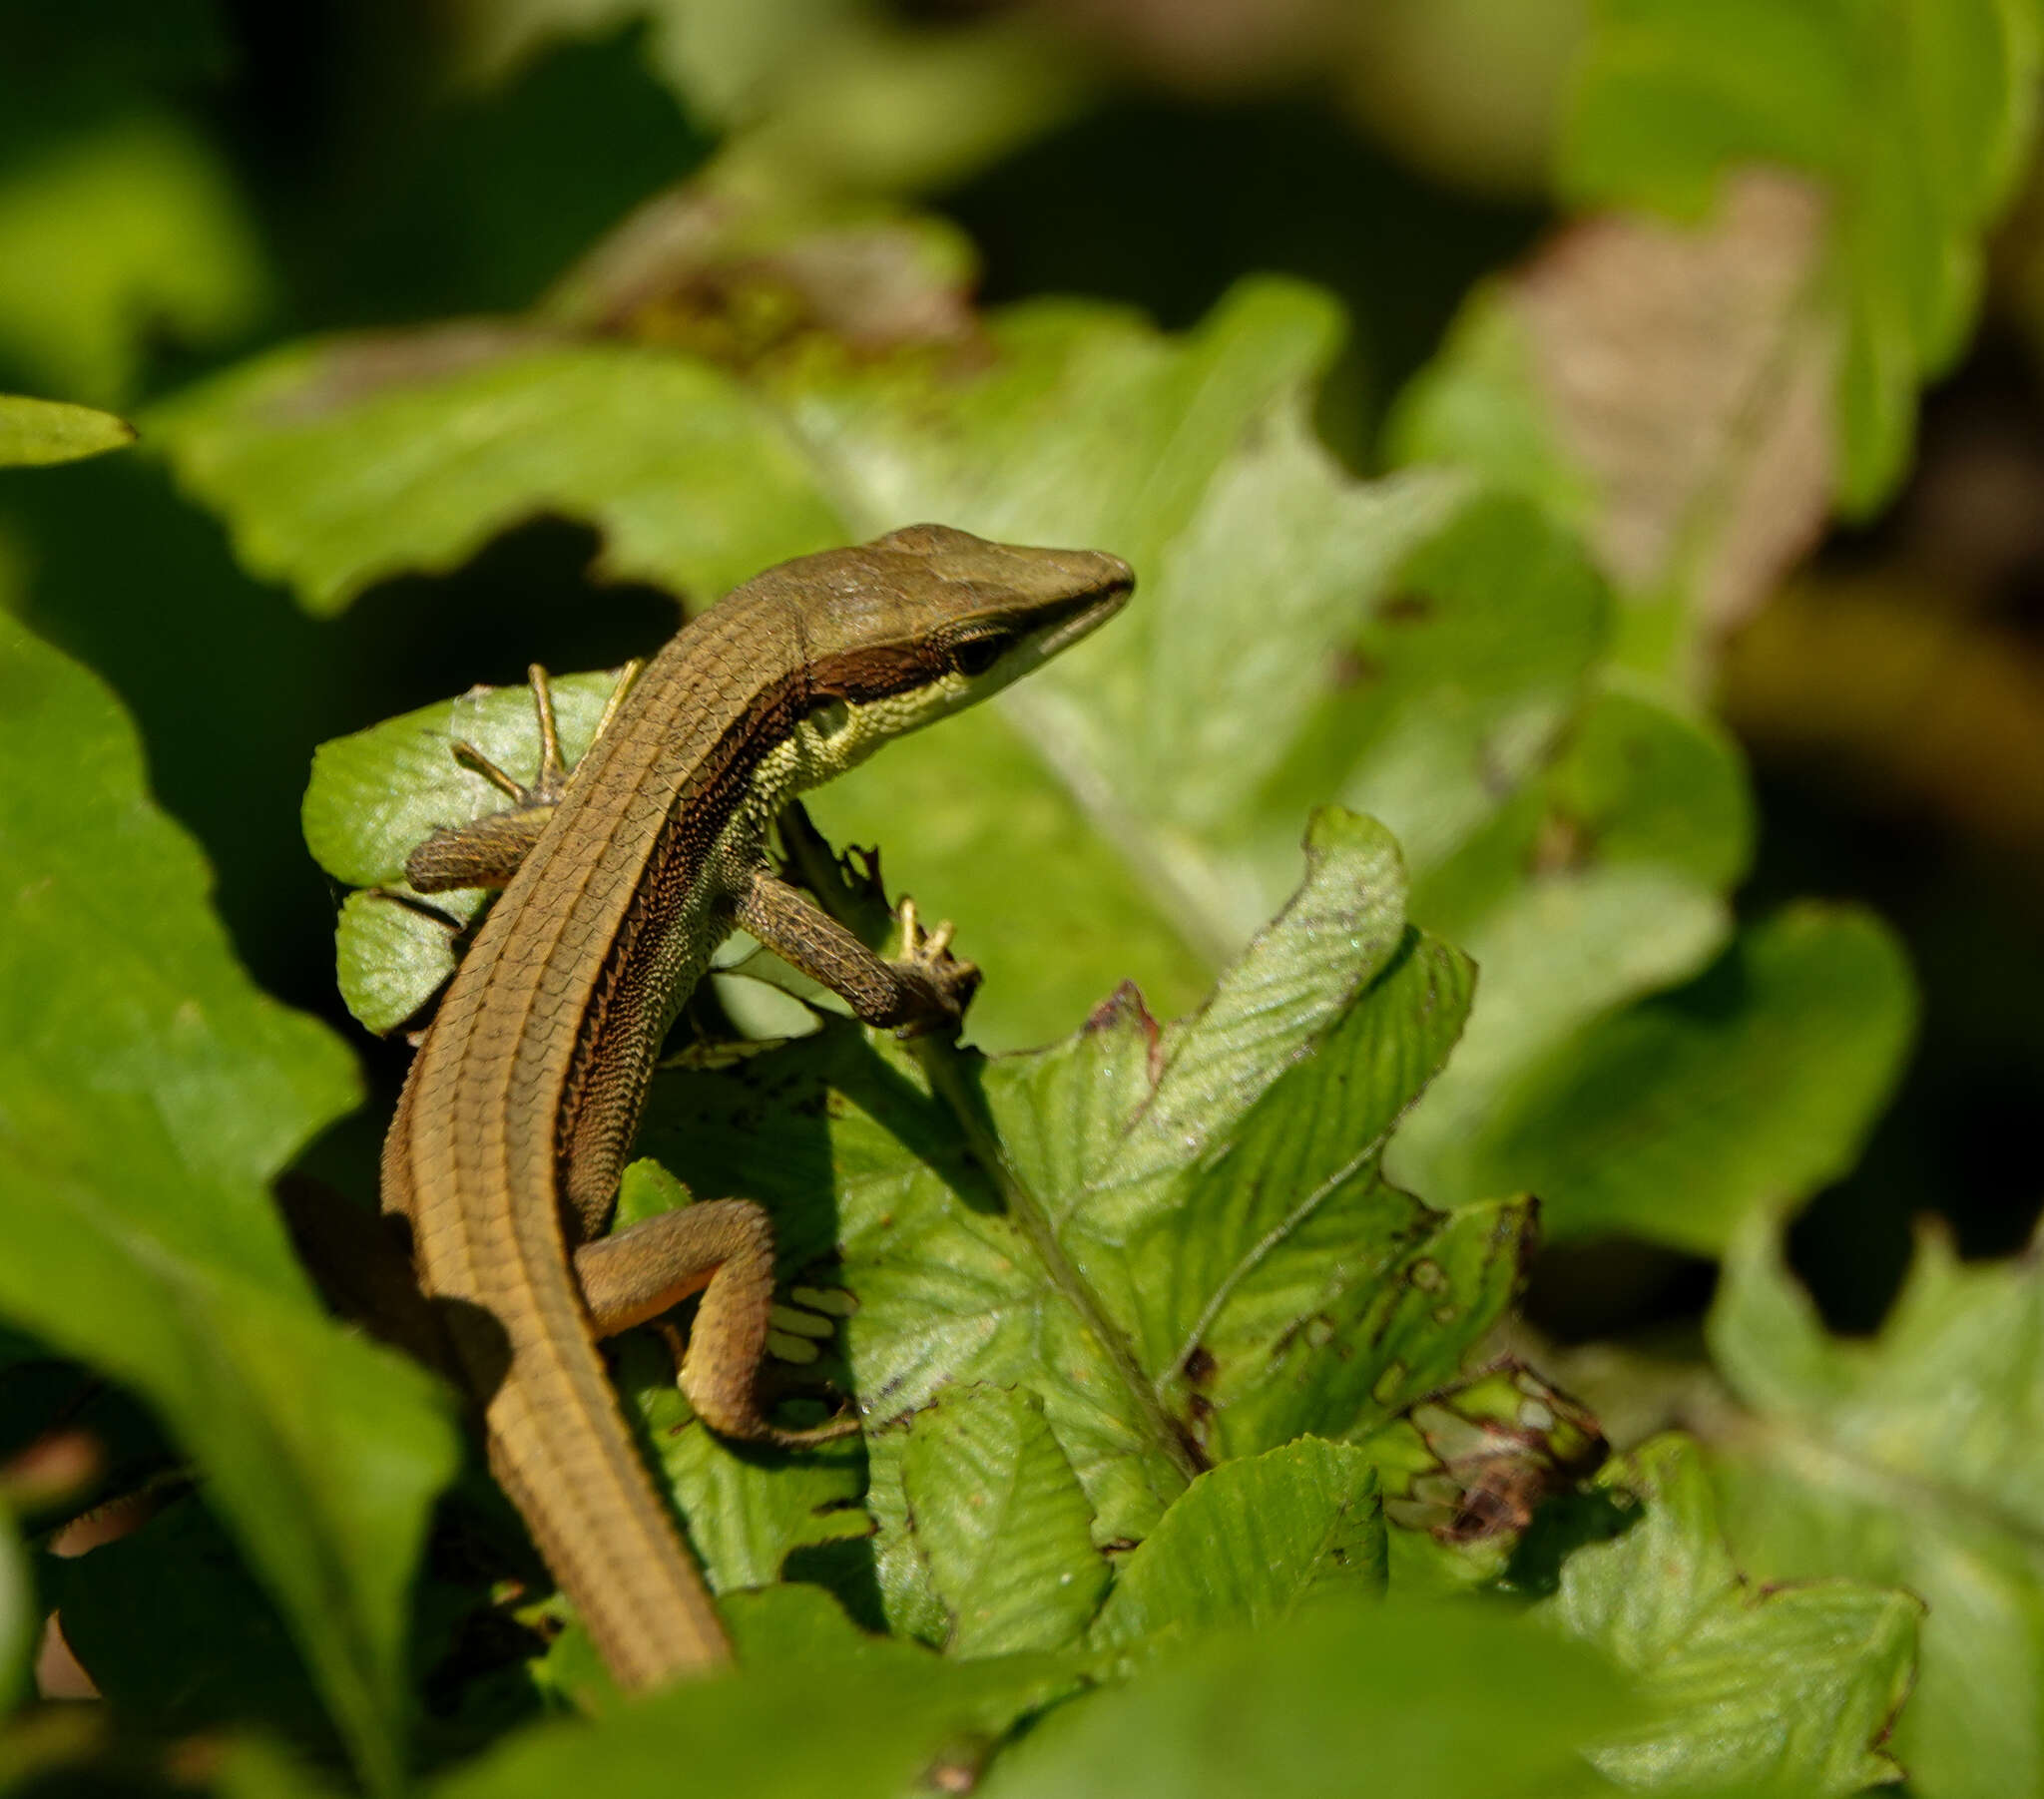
x=376, y=794
x=748, y=1511
x=1001, y=1523
x=151, y=1092
x=1792, y=202
x=1793, y=1686
x=33, y=432
x=1250, y=1539
x=254, y=1768
x=1915, y=1458
x=1912, y=116
x=390, y=957
x=343, y=463
x=1197, y=1243
x=1345, y=1697
x=1746, y=1091
x=115, y=235
x=1410, y=648
x=792, y=1625
x=1601, y=885
x=814, y=1714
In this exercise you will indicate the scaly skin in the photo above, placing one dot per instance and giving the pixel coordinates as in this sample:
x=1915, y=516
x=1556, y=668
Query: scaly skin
x=523, y=1100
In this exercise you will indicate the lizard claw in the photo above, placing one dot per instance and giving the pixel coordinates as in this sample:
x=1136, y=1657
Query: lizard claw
x=945, y=982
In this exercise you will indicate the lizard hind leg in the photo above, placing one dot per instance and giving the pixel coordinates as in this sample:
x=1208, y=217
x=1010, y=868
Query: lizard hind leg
x=723, y=1249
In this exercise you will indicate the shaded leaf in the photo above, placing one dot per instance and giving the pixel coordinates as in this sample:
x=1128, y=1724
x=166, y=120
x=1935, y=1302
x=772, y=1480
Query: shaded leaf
x=126, y=44
x=1247, y=1541
x=1404, y=1699
x=17, y=1616
x=1795, y=1685
x=43, y=431
x=151, y=1092
x=749, y=1510
x=254, y=1768
x=134, y=1610
x=1912, y=1458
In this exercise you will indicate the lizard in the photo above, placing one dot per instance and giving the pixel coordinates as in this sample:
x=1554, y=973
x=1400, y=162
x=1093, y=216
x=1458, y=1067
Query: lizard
x=616, y=884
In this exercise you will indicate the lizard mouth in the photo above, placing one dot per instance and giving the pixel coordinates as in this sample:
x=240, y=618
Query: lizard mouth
x=1086, y=617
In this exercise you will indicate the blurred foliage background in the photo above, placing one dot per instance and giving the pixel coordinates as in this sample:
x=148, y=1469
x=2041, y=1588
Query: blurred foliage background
x=183, y=184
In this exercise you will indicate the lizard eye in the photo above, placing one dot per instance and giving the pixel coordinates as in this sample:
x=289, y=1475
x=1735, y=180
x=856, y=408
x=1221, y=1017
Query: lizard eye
x=975, y=656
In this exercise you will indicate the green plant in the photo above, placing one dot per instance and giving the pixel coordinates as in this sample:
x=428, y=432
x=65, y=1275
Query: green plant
x=1200, y=1447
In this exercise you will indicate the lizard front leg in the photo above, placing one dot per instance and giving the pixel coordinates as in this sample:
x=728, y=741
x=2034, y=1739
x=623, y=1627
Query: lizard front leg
x=925, y=990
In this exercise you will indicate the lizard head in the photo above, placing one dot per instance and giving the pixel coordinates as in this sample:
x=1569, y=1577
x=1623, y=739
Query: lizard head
x=918, y=624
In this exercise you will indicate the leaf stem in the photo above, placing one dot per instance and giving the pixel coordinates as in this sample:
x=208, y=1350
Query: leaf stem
x=950, y=1070
x=947, y=1067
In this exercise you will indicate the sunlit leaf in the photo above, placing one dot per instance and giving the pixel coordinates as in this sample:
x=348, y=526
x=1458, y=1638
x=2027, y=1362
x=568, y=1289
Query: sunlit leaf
x=343, y=463
x=1603, y=884
x=1667, y=389
x=1247, y=1541
x=1912, y=1458
x=1198, y=1249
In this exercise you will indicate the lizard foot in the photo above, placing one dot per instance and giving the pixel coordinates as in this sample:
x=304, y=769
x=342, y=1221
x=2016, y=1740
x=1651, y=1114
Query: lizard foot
x=488, y=851
x=945, y=983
